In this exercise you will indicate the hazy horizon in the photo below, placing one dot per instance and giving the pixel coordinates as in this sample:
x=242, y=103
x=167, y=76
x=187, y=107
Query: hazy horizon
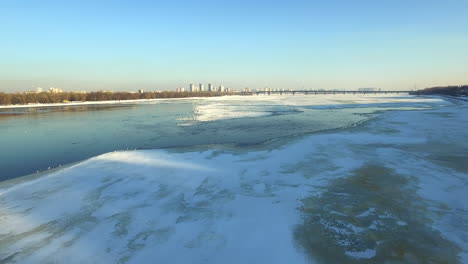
x=130, y=45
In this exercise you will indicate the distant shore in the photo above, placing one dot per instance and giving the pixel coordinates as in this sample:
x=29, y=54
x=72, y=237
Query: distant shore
x=453, y=92
x=457, y=91
x=96, y=102
x=76, y=103
x=57, y=97
x=24, y=100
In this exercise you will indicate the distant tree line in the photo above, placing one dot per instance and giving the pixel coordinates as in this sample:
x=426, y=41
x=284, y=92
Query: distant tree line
x=48, y=98
x=445, y=90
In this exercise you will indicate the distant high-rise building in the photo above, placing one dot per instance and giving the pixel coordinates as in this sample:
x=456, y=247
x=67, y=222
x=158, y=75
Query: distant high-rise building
x=211, y=87
x=39, y=90
x=192, y=87
x=140, y=91
x=221, y=88
x=201, y=88
x=181, y=89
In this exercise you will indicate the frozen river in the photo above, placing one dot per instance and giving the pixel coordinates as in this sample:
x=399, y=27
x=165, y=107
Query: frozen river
x=261, y=179
x=38, y=138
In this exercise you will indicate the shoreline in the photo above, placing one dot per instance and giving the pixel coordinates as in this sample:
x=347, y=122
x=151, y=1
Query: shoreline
x=100, y=102
x=34, y=105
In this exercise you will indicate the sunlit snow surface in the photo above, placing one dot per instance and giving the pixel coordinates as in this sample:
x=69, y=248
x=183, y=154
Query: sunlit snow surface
x=390, y=190
x=218, y=108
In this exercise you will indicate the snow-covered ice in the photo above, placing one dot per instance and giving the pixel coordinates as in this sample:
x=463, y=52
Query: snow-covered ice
x=391, y=189
x=229, y=107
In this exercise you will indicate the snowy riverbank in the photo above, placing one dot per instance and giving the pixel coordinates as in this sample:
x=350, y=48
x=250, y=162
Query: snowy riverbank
x=103, y=102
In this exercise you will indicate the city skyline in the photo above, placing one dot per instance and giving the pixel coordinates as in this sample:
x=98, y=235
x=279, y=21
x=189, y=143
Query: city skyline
x=127, y=45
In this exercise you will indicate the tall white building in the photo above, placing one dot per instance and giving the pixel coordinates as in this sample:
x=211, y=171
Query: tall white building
x=192, y=87
x=211, y=87
x=201, y=88
x=221, y=88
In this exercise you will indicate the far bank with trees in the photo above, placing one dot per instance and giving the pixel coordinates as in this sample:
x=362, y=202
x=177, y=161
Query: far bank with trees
x=65, y=97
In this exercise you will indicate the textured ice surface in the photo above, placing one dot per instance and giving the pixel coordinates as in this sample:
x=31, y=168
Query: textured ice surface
x=394, y=189
x=217, y=108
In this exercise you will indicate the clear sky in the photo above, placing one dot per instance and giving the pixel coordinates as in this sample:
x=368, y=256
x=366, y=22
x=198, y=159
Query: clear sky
x=161, y=45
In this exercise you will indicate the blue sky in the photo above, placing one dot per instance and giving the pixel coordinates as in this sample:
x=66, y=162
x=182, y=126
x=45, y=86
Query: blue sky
x=156, y=45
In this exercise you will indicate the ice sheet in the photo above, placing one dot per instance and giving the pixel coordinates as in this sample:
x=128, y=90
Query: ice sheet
x=257, y=207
